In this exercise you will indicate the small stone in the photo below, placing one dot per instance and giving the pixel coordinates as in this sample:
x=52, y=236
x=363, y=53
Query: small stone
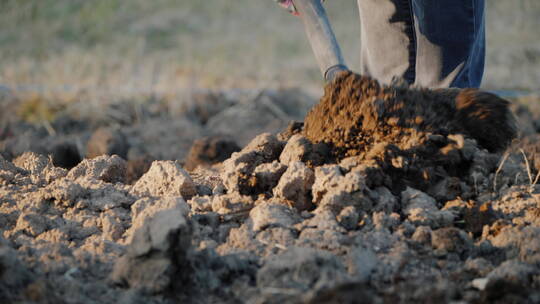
x=300, y=149
x=336, y=191
x=267, y=175
x=326, y=177
x=166, y=178
x=295, y=186
x=147, y=207
x=32, y=224
x=110, y=169
x=64, y=192
x=201, y=203
x=348, y=218
x=156, y=259
x=103, y=196
x=480, y=283
x=232, y=203
x=451, y=239
x=279, y=237
x=301, y=269
x=31, y=162
x=267, y=145
x=40, y=167
x=237, y=171
x=272, y=214
x=421, y=209
x=112, y=227
x=324, y=220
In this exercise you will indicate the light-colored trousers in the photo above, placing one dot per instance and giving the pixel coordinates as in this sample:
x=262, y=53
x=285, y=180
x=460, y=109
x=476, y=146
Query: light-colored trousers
x=432, y=43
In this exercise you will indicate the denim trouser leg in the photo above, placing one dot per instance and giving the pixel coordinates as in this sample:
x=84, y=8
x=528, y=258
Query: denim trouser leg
x=432, y=43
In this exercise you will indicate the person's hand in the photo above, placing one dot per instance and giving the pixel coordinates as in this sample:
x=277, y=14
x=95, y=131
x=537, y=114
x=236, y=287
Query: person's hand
x=289, y=5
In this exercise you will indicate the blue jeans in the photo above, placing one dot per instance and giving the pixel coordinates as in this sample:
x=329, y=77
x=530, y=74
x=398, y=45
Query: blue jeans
x=431, y=43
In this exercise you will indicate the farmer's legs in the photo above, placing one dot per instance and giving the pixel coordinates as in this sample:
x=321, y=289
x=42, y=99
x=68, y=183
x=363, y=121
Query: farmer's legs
x=387, y=42
x=429, y=43
x=451, y=43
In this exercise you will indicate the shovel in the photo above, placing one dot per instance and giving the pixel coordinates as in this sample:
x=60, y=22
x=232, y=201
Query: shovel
x=321, y=37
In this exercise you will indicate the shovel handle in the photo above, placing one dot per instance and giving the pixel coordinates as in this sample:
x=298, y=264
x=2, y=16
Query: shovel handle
x=321, y=37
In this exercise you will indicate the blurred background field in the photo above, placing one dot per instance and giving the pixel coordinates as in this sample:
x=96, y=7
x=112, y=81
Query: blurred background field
x=103, y=49
x=132, y=47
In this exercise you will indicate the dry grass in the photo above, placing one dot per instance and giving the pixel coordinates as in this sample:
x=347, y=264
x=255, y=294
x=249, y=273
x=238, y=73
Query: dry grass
x=132, y=47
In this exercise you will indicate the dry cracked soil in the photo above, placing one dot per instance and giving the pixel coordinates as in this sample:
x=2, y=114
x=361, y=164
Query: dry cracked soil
x=410, y=210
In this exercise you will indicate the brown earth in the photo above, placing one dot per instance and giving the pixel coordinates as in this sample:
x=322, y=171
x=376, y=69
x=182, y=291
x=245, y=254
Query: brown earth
x=356, y=111
x=389, y=124
x=419, y=212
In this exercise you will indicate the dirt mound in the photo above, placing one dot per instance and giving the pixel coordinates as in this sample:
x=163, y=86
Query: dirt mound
x=418, y=213
x=416, y=136
x=272, y=223
x=356, y=112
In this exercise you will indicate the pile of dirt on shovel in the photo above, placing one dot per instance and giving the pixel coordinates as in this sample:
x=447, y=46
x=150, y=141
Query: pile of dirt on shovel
x=427, y=215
